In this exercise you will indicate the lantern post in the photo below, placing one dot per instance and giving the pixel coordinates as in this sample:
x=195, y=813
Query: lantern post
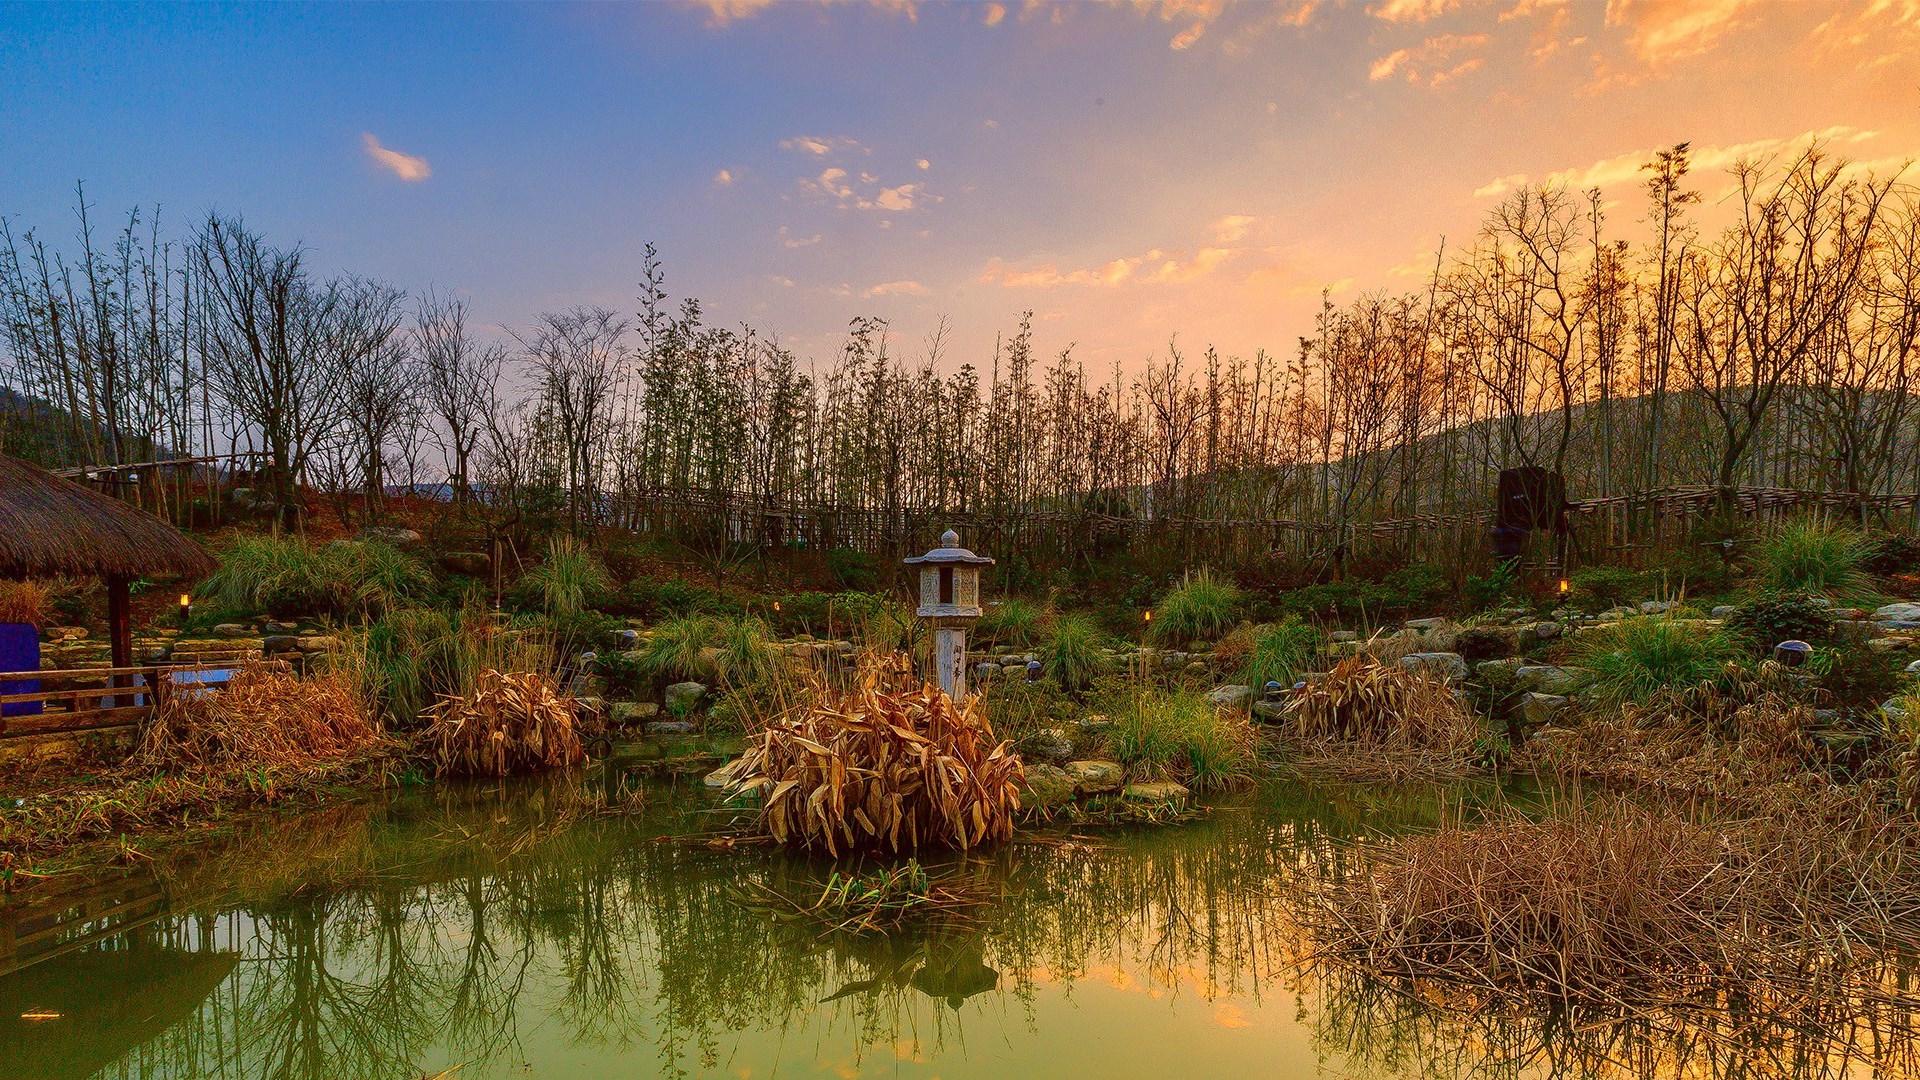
x=950, y=602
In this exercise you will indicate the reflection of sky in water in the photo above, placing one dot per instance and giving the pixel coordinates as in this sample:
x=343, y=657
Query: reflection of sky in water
x=506, y=935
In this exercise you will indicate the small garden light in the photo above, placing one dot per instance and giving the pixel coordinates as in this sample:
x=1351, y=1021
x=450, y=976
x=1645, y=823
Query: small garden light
x=186, y=607
x=1565, y=585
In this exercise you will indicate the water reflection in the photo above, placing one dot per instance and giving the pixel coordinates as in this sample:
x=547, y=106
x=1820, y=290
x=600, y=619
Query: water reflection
x=504, y=930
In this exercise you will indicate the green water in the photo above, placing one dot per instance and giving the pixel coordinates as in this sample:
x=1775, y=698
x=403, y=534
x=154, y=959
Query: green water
x=502, y=931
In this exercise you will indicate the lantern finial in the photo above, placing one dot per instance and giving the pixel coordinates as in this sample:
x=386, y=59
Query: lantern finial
x=950, y=538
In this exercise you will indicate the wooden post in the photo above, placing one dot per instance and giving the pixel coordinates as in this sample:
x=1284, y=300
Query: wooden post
x=120, y=632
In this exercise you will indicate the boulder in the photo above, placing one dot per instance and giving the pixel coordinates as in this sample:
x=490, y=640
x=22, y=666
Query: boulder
x=1478, y=643
x=279, y=643
x=1232, y=696
x=1050, y=745
x=156, y=655
x=1724, y=611
x=1270, y=711
x=686, y=697
x=1095, y=777
x=1499, y=669
x=1548, y=630
x=1913, y=668
x=1445, y=666
x=228, y=630
x=1339, y=636
x=1901, y=612
x=984, y=671
x=670, y=727
x=1425, y=625
x=1548, y=679
x=310, y=643
x=1155, y=793
x=1657, y=607
x=1890, y=644
x=634, y=712
x=1048, y=786
x=1894, y=710
x=389, y=534
x=1542, y=709
x=476, y=564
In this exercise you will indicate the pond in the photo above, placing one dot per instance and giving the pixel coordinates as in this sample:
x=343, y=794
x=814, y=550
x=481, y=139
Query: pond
x=519, y=929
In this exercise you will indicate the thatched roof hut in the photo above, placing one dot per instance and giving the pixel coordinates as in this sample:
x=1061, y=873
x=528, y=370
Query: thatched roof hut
x=50, y=527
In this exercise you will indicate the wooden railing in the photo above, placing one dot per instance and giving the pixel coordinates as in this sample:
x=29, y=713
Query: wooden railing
x=98, y=698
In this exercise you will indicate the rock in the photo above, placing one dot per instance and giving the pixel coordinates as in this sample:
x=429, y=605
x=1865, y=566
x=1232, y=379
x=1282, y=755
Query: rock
x=1339, y=636
x=670, y=727
x=1894, y=711
x=1095, y=777
x=1542, y=709
x=726, y=775
x=1271, y=711
x=686, y=697
x=634, y=712
x=1483, y=643
x=1232, y=696
x=389, y=534
x=1615, y=614
x=1890, y=644
x=1657, y=607
x=279, y=643
x=476, y=564
x=1499, y=669
x=1913, y=668
x=1446, y=666
x=1048, y=786
x=232, y=630
x=1425, y=625
x=1547, y=631
x=1095, y=726
x=984, y=671
x=1819, y=601
x=156, y=655
x=1050, y=744
x=1196, y=667
x=308, y=643
x=1724, y=611
x=1901, y=612
x=1848, y=614
x=1547, y=679
x=268, y=626
x=1160, y=792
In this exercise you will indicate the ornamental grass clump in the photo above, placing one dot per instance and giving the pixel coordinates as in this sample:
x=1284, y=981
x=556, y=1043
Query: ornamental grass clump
x=266, y=720
x=1072, y=653
x=1636, y=658
x=1180, y=736
x=509, y=723
x=1200, y=609
x=1814, y=557
x=869, y=768
x=1382, y=707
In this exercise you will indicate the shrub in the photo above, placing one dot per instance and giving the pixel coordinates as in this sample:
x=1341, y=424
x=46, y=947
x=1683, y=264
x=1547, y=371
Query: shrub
x=570, y=580
x=1012, y=623
x=828, y=613
x=1635, y=658
x=286, y=576
x=854, y=570
x=1201, y=609
x=1181, y=736
x=1072, y=653
x=1494, y=586
x=1813, y=557
x=890, y=770
x=509, y=723
x=1022, y=708
x=664, y=598
x=24, y=602
x=1606, y=586
x=1772, y=618
x=412, y=657
x=678, y=649
x=1280, y=653
x=1382, y=707
x=1889, y=554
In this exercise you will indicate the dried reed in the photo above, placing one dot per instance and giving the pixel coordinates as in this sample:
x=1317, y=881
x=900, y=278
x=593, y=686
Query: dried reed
x=866, y=767
x=509, y=723
x=24, y=602
x=265, y=718
x=1369, y=718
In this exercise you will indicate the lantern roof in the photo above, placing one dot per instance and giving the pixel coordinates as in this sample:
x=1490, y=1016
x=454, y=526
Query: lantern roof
x=949, y=553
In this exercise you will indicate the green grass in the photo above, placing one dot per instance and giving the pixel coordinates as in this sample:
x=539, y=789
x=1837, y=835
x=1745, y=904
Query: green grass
x=1012, y=623
x=1071, y=653
x=1638, y=656
x=287, y=576
x=1813, y=557
x=1179, y=735
x=1200, y=609
x=1280, y=653
x=570, y=580
x=678, y=649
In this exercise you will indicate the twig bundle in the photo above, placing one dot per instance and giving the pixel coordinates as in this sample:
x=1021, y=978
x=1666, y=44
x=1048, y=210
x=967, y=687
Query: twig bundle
x=509, y=723
x=868, y=768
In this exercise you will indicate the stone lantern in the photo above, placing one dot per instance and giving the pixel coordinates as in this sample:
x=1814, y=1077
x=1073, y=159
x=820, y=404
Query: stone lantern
x=950, y=601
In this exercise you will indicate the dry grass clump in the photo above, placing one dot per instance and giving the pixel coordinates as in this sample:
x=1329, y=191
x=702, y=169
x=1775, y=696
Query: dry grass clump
x=1366, y=717
x=509, y=723
x=1742, y=735
x=265, y=718
x=24, y=602
x=1621, y=903
x=870, y=768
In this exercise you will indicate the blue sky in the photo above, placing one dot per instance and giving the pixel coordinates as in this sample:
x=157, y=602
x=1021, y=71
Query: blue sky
x=1127, y=171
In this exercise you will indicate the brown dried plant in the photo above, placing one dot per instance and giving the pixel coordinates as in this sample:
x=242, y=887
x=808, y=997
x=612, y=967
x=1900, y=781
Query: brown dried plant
x=866, y=767
x=509, y=723
x=1404, y=721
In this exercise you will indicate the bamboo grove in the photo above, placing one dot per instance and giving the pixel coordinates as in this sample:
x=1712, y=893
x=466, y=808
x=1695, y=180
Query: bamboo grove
x=1749, y=328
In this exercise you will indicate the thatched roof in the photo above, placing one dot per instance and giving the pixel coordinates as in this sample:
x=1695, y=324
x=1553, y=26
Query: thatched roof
x=53, y=527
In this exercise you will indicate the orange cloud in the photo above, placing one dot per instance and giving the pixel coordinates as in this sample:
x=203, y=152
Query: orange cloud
x=1155, y=267
x=896, y=288
x=1399, y=11
x=723, y=178
x=1664, y=30
x=995, y=13
x=404, y=166
x=1629, y=168
x=1431, y=62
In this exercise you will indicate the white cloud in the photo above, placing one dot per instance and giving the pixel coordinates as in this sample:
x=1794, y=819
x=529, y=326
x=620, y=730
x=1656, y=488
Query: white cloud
x=1155, y=267
x=1414, y=11
x=821, y=146
x=723, y=178
x=896, y=288
x=1629, y=168
x=404, y=166
x=1431, y=62
x=1232, y=228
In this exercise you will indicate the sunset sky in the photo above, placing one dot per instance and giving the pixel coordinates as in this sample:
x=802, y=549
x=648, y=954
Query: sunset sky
x=1126, y=171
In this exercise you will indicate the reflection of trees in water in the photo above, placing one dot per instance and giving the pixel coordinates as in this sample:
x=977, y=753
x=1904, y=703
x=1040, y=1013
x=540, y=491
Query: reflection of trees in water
x=454, y=917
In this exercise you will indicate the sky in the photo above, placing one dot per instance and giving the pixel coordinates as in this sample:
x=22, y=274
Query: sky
x=1131, y=173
